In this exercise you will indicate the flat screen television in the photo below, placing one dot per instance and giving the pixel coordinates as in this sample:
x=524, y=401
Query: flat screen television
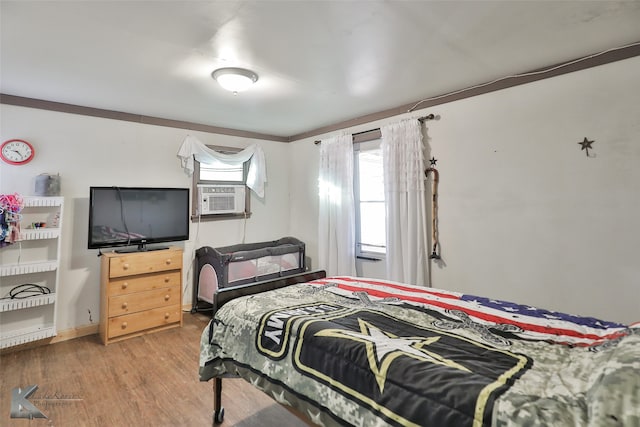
x=137, y=216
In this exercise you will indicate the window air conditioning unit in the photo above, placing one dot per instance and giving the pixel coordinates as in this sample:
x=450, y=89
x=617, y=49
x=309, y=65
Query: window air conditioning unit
x=221, y=199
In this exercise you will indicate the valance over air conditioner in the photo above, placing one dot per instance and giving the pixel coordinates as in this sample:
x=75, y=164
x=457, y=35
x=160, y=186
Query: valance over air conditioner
x=192, y=149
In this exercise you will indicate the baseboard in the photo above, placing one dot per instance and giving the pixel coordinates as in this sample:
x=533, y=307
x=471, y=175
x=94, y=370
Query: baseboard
x=69, y=334
x=66, y=335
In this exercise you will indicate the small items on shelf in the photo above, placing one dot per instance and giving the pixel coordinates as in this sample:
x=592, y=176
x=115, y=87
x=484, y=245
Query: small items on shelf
x=10, y=207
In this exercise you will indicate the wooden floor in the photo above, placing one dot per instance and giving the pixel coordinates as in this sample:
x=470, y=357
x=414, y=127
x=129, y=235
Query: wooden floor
x=145, y=381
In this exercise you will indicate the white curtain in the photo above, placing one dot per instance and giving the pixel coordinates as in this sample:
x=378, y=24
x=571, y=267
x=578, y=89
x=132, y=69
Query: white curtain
x=336, y=217
x=192, y=148
x=404, y=181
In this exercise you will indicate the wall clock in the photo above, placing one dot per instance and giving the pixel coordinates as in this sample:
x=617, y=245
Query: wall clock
x=17, y=152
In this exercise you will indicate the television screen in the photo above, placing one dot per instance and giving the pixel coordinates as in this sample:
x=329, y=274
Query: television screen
x=125, y=216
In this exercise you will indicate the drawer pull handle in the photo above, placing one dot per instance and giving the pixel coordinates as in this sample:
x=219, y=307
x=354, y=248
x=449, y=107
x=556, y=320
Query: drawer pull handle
x=168, y=261
x=124, y=325
x=166, y=316
x=125, y=266
x=125, y=285
x=166, y=297
x=167, y=279
x=124, y=305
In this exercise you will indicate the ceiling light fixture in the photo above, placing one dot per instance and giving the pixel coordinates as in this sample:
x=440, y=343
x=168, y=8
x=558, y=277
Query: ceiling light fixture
x=234, y=79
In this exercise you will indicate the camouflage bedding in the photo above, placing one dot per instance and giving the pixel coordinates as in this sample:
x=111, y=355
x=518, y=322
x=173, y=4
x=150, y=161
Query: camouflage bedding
x=364, y=352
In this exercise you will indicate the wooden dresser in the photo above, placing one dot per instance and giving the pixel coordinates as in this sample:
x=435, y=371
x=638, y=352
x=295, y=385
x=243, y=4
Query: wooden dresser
x=140, y=293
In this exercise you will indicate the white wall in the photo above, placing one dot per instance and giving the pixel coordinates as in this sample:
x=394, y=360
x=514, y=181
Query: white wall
x=524, y=215
x=90, y=151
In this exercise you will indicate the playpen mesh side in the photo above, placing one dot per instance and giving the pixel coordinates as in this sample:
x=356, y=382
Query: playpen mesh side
x=246, y=263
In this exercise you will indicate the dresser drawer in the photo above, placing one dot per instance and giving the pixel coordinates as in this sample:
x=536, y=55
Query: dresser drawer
x=139, y=301
x=130, y=323
x=145, y=282
x=148, y=262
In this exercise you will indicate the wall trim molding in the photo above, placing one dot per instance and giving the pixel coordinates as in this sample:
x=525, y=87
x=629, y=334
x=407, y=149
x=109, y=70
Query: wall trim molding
x=60, y=107
x=578, y=64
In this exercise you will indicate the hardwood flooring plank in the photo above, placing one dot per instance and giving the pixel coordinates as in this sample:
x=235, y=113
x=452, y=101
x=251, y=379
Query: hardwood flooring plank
x=151, y=380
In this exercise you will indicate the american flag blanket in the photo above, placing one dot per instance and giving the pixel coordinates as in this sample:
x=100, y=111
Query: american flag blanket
x=368, y=352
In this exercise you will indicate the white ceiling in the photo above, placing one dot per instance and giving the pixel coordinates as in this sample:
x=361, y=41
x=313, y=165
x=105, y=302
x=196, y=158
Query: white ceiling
x=319, y=62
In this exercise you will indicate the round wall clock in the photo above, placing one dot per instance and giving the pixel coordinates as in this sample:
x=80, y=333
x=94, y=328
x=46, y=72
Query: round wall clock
x=17, y=152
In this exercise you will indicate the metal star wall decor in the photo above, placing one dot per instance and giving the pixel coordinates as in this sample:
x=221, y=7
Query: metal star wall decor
x=586, y=144
x=433, y=161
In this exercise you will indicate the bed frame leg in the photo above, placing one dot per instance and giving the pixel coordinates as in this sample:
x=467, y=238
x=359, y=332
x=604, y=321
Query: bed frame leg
x=218, y=410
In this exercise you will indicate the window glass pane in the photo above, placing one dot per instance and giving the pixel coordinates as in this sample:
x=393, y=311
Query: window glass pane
x=372, y=227
x=364, y=248
x=372, y=181
x=369, y=191
x=218, y=171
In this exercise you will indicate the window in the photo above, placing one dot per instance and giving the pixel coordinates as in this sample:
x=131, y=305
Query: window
x=222, y=172
x=369, y=200
x=219, y=188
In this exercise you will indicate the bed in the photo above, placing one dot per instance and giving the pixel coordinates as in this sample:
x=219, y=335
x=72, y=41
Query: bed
x=368, y=352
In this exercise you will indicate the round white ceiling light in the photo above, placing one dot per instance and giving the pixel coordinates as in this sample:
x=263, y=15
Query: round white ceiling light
x=235, y=79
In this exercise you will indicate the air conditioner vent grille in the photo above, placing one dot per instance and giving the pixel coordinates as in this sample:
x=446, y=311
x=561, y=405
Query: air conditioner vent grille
x=221, y=203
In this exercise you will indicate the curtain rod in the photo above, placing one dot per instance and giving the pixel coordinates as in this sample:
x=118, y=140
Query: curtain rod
x=377, y=130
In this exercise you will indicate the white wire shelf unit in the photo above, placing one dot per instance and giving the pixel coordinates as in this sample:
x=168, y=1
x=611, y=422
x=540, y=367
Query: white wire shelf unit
x=34, y=258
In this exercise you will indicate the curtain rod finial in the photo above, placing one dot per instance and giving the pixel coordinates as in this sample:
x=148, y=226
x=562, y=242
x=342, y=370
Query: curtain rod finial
x=429, y=117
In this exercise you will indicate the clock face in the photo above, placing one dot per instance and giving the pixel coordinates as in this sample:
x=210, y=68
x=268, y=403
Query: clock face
x=16, y=152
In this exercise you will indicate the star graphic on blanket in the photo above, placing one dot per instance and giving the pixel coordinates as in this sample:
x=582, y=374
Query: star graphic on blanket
x=280, y=398
x=315, y=417
x=384, y=347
